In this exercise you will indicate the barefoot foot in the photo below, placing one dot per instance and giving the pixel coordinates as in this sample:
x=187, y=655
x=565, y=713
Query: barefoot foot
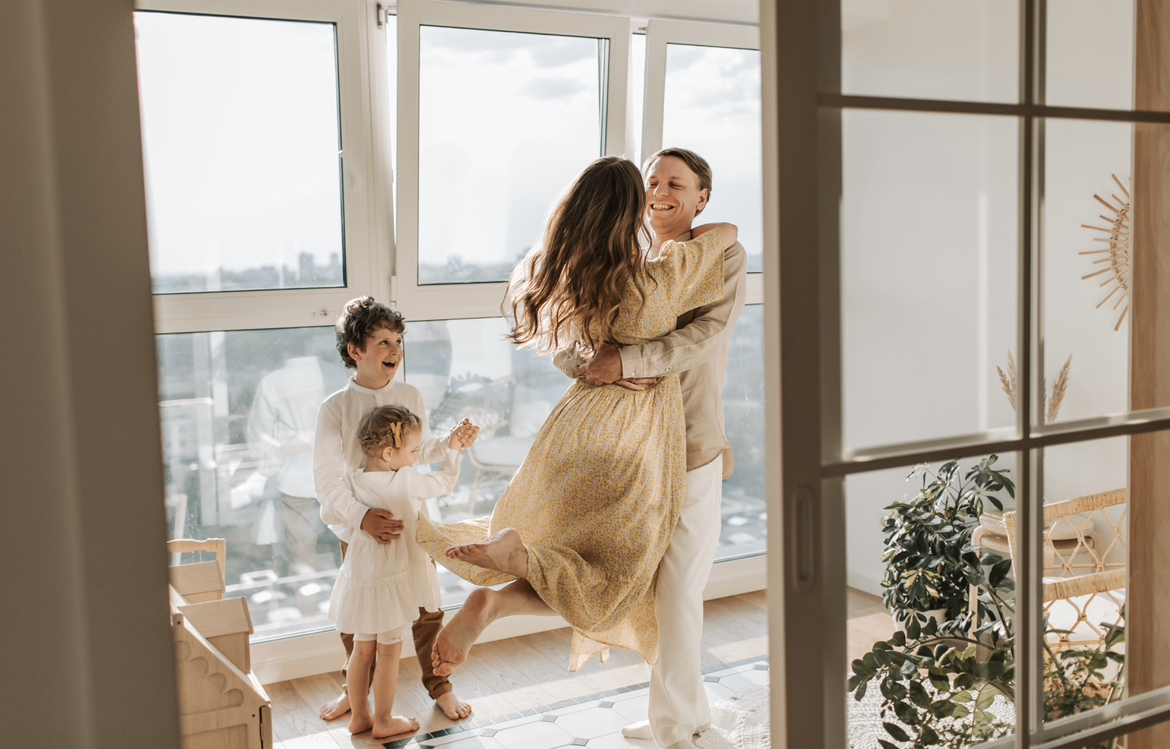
x=360, y=723
x=336, y=707
x=393, y=727
x=453, y=707
x=504, y=552
x=455, y=640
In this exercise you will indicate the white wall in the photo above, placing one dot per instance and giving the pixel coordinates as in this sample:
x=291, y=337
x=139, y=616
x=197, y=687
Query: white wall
x=929, y=238
x=87, y=658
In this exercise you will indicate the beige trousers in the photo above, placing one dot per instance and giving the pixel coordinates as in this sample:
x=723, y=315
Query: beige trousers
x=678, y=703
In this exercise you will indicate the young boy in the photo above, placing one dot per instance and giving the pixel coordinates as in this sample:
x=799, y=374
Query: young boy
x=369, y=339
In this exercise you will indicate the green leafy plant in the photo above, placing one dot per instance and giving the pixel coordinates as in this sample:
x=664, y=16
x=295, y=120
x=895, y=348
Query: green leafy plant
x=1077, y=679
x=940, y=680
x=930, y=563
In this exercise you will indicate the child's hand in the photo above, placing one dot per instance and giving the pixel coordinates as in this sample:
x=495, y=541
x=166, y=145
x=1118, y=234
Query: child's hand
x=464, y=435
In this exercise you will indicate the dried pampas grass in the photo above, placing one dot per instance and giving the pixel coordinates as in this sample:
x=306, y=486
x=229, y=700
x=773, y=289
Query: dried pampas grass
x=1051, y=405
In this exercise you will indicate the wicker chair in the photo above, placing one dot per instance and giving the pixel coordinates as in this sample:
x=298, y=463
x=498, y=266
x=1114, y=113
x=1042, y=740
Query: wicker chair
x=1084, y=581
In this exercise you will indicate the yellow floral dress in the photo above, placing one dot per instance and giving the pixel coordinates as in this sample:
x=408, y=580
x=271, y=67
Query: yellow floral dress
x=599, y=494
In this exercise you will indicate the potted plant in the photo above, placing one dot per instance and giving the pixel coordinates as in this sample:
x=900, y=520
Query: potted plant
x=940, y=677
x=940, y=685
x=930, y=563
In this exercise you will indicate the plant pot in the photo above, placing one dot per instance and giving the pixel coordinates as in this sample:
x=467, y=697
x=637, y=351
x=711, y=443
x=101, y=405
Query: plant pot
x=939, y=616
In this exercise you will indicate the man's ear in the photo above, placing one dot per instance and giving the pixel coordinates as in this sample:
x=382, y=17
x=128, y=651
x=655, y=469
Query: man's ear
x=703, y=195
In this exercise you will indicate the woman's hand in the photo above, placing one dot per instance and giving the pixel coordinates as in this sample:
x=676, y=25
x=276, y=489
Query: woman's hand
x=728, y=233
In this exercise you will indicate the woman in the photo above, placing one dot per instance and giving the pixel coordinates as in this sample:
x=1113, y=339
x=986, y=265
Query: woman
x=587, y=518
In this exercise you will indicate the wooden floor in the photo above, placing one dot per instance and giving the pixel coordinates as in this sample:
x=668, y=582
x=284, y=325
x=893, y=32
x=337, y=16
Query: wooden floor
x=530, y=672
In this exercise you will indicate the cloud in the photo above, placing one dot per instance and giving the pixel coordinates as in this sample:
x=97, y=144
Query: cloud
x=555, y=52
x=544, y=89
x=546, y=51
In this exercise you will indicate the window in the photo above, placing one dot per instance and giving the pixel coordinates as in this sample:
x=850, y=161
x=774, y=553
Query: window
x=703, y=94
x=242, y=145
x=966, y=219
x=300, y=156
x=505, y=106
x=258, y=167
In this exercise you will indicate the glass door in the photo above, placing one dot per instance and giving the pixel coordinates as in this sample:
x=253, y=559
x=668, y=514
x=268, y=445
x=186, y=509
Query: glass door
x=966, y=329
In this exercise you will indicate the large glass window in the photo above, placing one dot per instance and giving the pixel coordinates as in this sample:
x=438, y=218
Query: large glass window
x=506, y=121
x=242, y=143
x=256, y=132
x=712, y=107
x=239, y=414
x=466, y=369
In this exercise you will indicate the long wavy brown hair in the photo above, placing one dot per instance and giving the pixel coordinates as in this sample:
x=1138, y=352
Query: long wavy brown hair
x=575, y=281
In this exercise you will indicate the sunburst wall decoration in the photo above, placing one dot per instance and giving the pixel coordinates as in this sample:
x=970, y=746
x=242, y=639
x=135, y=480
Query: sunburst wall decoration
x=1117, y=255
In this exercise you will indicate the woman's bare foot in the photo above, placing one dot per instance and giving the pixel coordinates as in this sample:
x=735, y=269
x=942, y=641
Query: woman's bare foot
x=504, y=552
x=455, y=640
x=336, y=707
x=453, y=707
x=395, y=726
x=360, y=723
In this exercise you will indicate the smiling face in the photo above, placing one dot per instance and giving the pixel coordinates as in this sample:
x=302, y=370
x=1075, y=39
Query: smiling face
x=673, y=198
x=407, y=455
x=379, y=360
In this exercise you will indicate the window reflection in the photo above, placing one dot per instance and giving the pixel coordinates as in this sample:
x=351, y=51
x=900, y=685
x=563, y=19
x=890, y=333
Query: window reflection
x=238, y=414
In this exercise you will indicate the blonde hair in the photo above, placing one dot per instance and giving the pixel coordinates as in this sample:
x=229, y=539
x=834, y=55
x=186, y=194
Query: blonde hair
x=576, y=280
x=387, y=426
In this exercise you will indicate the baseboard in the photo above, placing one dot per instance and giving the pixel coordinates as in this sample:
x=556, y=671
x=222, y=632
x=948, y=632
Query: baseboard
x=321, y=652
x=864, y=581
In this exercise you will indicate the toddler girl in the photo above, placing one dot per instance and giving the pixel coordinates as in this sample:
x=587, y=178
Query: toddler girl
x=381, y=587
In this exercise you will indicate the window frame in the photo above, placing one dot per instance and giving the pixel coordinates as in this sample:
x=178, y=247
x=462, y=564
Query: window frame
x=372, y=252
x=802, y=344
x=283, y=308
x=460, y=301
x=659, y=34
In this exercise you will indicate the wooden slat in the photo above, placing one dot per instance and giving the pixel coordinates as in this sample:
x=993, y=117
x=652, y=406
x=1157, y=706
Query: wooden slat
x=1148, y=637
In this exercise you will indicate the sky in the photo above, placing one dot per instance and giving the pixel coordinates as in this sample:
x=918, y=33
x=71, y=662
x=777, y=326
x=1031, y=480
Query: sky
x=241, y=137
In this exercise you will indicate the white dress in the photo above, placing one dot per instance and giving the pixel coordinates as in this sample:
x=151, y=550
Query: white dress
x=381, y=587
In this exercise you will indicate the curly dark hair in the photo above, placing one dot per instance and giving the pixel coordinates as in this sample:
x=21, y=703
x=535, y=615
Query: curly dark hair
x=363, y=316
x=387, y=426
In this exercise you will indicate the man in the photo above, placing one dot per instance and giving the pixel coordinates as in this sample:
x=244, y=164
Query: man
x=678, y=186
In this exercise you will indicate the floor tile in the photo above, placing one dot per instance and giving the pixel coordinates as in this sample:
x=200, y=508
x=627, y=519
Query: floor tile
x=448, y=739
x=757, y=677
x=737, y=682
x=633, y=694
x=474, y=742
x=589, y=724
x=716, y=692
x=617, y=741
x=634, y=709
x=522, y=721
x=574, y=708
x=536, y=735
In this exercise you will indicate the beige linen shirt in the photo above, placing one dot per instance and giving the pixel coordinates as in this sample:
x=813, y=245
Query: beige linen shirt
x=697, y=352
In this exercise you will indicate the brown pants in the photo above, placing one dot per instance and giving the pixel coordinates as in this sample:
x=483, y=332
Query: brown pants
x=425, y=629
